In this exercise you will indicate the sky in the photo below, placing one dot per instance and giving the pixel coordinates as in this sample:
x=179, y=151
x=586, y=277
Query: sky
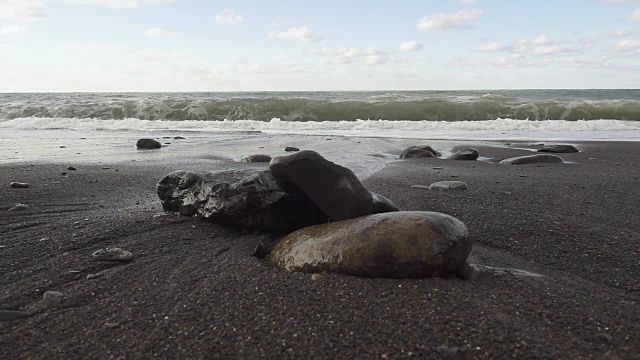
x=285, y=45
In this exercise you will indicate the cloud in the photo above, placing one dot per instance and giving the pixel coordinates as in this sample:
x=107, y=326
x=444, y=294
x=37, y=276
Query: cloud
x=346, y=55
x=621, y=1
x=513, y=61
x=495, y=47
x=618, y=34
x=628, y=47
x=12, y=29
x=85, y=49
x=378, y=59
x=410, y=46
x=120, y=4
x=4, y=48
x=229, y=17
x=539, y=46
x=467, y=1
x=157, y=32
x=21, y=10
x=456, y=21
x=301, y=34
x=635, y=15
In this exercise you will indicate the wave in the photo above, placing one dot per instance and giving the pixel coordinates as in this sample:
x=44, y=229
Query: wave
x=451, y=109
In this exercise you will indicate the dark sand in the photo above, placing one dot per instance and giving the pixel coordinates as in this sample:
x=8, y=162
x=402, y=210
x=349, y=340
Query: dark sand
x=195, y=291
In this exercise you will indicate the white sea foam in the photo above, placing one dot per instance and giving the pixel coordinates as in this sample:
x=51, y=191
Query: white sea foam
x=499, y=129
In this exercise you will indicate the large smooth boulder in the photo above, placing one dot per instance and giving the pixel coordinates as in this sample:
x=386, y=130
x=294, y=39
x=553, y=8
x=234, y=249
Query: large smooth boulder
x=333, y=188
x=246, y=199
x=559, y=149
x=148, y=144
x=532, y=159
x=405, y=244
x=419, y=152
x=465, y=154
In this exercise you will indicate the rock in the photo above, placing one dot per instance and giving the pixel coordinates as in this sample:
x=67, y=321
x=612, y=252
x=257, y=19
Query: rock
x=422, y=187
x=71, y=168
x=63, y=173
x=97, y=275
x=19, y=185
x=178, y=138
x=256, y=158
x=419, y=152
x=559, y=149
x=382, y=205
x=51, y=295
x=246, y=199
x=71, y=275
x=333, y=188
x=532, y=159
x=19, y=207
x=261, y=251
x=466, y=154
x=148, y=144
x=291, y=149
x=10, y=315
x=62, y=147
x=112, y=254
x=401, y=244
x=317, y=277
x=605, y=337
x=448, y=185
x=447, y=351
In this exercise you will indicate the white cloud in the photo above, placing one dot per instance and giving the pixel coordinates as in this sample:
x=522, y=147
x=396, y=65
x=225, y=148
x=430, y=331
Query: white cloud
x=21, y=10
x=157, y=32
x=495, y=47
x=630, y=46
x=85, y=49
x=377, y=59
x=635, y=15
x=457, y=20
x=120, y=4
x=539, y=46
x=301, y=34
x=12, y=29
x=467, y=1
x=346, y=55
x=229, y=17
x=4, y=48
x=410, y=46
x=621, y=1
x=618, y=34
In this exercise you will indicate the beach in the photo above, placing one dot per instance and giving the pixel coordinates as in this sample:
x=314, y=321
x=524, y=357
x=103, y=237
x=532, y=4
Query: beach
x=555, y=247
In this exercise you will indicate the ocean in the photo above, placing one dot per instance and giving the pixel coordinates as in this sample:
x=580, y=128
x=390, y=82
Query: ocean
x=481, y=114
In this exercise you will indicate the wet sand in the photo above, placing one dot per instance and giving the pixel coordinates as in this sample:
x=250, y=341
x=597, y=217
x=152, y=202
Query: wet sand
x=566, y=236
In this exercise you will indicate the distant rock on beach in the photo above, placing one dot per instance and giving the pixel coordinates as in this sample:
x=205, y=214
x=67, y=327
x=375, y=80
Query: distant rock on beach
x=419, y=152
x=465, y=154
x=148, y=144
x=532, y=159
x=256, y=159
x=402, y=244
x=559, y=149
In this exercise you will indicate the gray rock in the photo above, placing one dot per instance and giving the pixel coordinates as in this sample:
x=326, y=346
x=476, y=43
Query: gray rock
x=419, y=152
x=11, y=315
x=246, y=199
x=71, y=168
x=19, y=207
x=559, y=149
x=395, y=245
x=532, y=159
x=71, y=275
x=448, y=185
x=178, y=138
x=256, y=159
x=465, y=154
x=51, y=295
x=333, y=188
x=148, y=144
x=422, y=187
x=112, y=254
x=382, y=205
x=291, y=149
x=19, y=185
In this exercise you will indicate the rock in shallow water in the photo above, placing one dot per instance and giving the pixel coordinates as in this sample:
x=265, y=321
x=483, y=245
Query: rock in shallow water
x=148, y=144
x=559, y=149
x=419, y=152
x=532, y=159
x=246, y=199
x=465, y=154
x=334, y=188
x=393, y=245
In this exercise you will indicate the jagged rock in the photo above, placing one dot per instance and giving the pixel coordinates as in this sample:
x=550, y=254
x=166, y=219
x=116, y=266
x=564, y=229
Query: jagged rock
x=382, y=205
x=465, y=154
x=148, y=144
x=419, y=152
x=532, y=159
x=448, y=185
x=559, y=149
x=333, y=188
x=19, y=185
x=395, y=245
x=112, y=254
x=246, y=199
x=256, y=158
x=291, y=149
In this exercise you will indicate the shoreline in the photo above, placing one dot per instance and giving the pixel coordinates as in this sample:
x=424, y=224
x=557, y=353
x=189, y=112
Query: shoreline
x=194, y=290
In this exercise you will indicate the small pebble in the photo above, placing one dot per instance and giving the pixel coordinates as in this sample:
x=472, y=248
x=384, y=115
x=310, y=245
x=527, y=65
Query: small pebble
x=19, y=185
x=112, y=254
x=63, y=173
x=51, y=295
x=71, y=168
x=317, y=277
x=63, y=147
x=422, y=187
x=19, y=207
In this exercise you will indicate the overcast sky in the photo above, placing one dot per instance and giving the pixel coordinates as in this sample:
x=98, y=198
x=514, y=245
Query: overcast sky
x=207, y=45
